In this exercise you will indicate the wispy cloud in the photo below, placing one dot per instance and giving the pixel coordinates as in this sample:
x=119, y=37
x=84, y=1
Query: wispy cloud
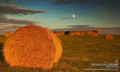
x=15, y=10
x=9, y=27
x=52, y=22
x=64, y=18
x=11, y=1
x=14, y=21
x=68, y=1
x=11, y=9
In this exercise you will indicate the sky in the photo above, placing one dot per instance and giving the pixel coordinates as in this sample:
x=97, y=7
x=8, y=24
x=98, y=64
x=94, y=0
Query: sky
x=56, y=15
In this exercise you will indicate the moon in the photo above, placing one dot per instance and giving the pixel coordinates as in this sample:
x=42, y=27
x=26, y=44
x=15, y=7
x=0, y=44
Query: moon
x=73, y=15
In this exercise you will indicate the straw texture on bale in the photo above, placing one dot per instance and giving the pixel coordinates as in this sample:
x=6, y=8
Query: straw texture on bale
x=109, y=36
x=34, y=47
x=7, y=34
x=94, y=34
x=74, y=33
x=59, y=32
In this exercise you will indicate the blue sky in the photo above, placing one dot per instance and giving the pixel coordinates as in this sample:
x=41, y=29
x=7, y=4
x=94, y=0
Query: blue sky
x=95, y=13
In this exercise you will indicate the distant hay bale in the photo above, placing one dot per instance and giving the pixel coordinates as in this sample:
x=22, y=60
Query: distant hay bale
x=7, y=34
x=34, y=47
x=59, y=32
x=82, y=33
x=98, y=32
x=109, y=36
x=74, y=32
x=94, y=34
x=89, y=32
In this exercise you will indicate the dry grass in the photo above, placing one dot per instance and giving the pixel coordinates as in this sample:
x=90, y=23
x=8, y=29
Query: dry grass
x=79, y=52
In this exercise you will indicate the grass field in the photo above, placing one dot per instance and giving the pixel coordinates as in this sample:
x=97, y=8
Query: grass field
x=79, y=52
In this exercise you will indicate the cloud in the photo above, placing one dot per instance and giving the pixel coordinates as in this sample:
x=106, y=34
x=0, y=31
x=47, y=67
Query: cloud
x=11, y=1
x=52, y=22
x=9, y=27
x=15, y=10
x=104, y=30
x=108, y=8
x=11, y=9
x=4, y=25
x=14, y=21
x=64, y=18
x=68, y=1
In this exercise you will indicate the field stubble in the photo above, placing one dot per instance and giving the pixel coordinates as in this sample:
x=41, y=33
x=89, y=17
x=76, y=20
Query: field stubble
x=79, y=52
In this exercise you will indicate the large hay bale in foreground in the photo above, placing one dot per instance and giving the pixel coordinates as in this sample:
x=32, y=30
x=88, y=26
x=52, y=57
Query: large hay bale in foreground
x=34, y=47
x=7, y=34
x=109, y=36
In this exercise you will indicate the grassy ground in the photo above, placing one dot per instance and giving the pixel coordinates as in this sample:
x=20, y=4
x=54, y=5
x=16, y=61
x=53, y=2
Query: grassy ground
x=79, y=52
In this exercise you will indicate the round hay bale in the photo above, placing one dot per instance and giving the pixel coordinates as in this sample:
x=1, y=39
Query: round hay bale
x=109, y=36
x=34, y=47
x=89, y=32
x=98, y=32
x=82, y=33
x=7, y=34
x=59, y=33
x=74, y=33
x=94, y=34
